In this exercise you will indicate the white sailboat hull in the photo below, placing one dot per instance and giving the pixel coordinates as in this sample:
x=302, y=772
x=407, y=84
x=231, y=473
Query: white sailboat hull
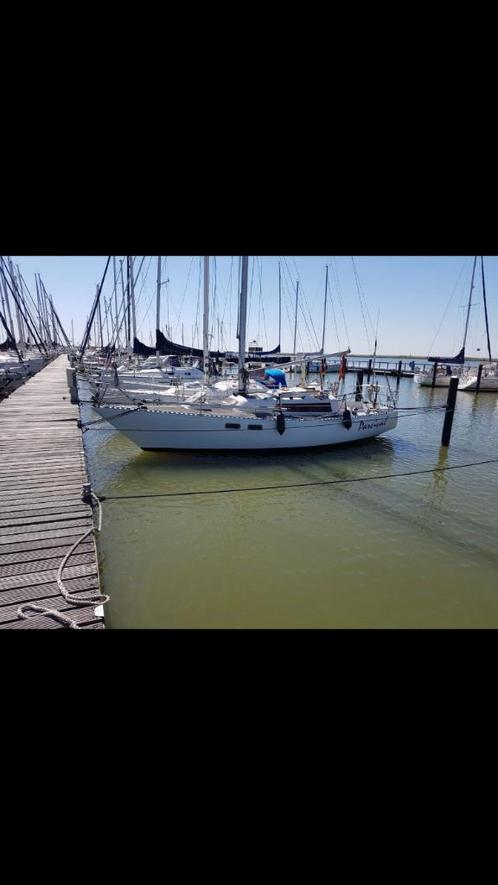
x=489, y=382
x=166, y=429
x=426, y=380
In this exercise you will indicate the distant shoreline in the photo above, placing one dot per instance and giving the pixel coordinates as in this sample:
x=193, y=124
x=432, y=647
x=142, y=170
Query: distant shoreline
x=392, y=356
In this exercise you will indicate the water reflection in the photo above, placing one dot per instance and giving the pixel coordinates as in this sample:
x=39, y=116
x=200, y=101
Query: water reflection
x=438, y=483
x=412, y=551
x=119, y=464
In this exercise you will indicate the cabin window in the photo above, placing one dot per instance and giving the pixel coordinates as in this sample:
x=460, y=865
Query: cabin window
x=255, y=427
x=232, y=426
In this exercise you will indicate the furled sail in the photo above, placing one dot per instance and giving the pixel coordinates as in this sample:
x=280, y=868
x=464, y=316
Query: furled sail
x=167, y=347
x=142, y=349
x=458, y=359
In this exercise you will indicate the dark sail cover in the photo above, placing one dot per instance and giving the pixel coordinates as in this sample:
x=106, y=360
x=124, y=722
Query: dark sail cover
x=141, y=349
x=458, y=359
x=166, y=347
x=170, y=348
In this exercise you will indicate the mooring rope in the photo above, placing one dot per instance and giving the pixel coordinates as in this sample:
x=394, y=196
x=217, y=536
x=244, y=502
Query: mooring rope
x=296, y=485
x=71, y=598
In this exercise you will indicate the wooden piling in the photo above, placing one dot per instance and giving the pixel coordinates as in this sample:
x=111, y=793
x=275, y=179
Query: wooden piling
x=479, y=373
x=434, y=376
x=450, y=411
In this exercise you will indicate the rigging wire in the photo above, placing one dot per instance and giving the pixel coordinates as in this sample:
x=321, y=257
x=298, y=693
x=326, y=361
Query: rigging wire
x=228, y=292
x=363, y=304
x=265, y=333
x=305, y=301
x=335, y=275
x=196, y=327
x=448, y=304
x=300, y=305
x=297, y=485
x=183, y=296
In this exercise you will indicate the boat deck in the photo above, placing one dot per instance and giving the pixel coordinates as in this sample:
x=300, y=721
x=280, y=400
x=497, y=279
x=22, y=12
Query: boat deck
x=42, y=472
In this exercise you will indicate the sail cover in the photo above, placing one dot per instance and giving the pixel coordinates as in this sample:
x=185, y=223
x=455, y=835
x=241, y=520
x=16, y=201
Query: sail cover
x=169, y=348
x=142, y=349
x=458, y=359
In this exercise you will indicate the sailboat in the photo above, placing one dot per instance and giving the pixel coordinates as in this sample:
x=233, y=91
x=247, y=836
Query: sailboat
x=443, y=372
x=489, y=373
x=230, y=428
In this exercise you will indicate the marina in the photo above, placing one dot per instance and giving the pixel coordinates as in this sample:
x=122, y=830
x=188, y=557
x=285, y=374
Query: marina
x=182, y=487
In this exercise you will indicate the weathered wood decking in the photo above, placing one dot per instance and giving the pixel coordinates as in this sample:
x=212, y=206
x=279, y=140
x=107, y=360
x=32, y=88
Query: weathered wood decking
x=42, y=471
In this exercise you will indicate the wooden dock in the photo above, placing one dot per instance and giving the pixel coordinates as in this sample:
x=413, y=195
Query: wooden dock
x=42, y=514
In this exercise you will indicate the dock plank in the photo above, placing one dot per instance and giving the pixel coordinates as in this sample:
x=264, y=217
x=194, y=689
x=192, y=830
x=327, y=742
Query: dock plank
x=42, y=514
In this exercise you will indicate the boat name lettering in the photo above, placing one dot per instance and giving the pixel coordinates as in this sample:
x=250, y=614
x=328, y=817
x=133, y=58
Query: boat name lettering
x=370, y=425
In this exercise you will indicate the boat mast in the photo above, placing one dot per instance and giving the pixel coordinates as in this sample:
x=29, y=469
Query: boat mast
x=99, y=319
x=469, y=304
x=9, y=315
x=132, y=295
x=23, y=302
x=128, y=306
x=18, y=313
x=295, y=318
x=485, y=306
x=325, y=306
x=106, y=316
x=54, y=328
x=242, y=325
x=116, y=300
x=158, y=306
x=205, y=321
x=279, y=306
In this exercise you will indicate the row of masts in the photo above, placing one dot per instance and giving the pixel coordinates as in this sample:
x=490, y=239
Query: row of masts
x=29, y=322
x=122, y=318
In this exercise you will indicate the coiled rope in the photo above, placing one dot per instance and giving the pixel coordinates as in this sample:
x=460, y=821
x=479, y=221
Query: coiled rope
x=79, y=600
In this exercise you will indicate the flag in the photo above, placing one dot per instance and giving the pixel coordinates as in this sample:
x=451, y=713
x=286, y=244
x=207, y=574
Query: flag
x=342, y=367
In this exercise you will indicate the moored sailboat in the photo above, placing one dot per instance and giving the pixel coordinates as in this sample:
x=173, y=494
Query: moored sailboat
x=441, y=374
x=258, y=425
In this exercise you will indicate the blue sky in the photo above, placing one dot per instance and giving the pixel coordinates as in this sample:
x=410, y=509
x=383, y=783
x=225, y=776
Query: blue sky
x=406, y=296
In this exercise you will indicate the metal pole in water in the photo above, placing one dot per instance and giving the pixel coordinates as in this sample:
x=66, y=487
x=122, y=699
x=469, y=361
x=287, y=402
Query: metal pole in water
x=399, y=370
x=450, y=411
x=369, y=370
x=479, y=373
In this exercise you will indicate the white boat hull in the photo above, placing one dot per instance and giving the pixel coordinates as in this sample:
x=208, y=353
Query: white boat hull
x=489, y=382
x=426, y=380
x=166, y=429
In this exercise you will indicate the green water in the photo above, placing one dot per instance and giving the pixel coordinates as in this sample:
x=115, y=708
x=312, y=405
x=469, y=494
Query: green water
x=419, y=551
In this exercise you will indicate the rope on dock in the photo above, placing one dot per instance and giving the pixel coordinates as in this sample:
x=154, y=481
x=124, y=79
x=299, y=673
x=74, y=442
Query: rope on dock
x=49, y=612
x=71, y=598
